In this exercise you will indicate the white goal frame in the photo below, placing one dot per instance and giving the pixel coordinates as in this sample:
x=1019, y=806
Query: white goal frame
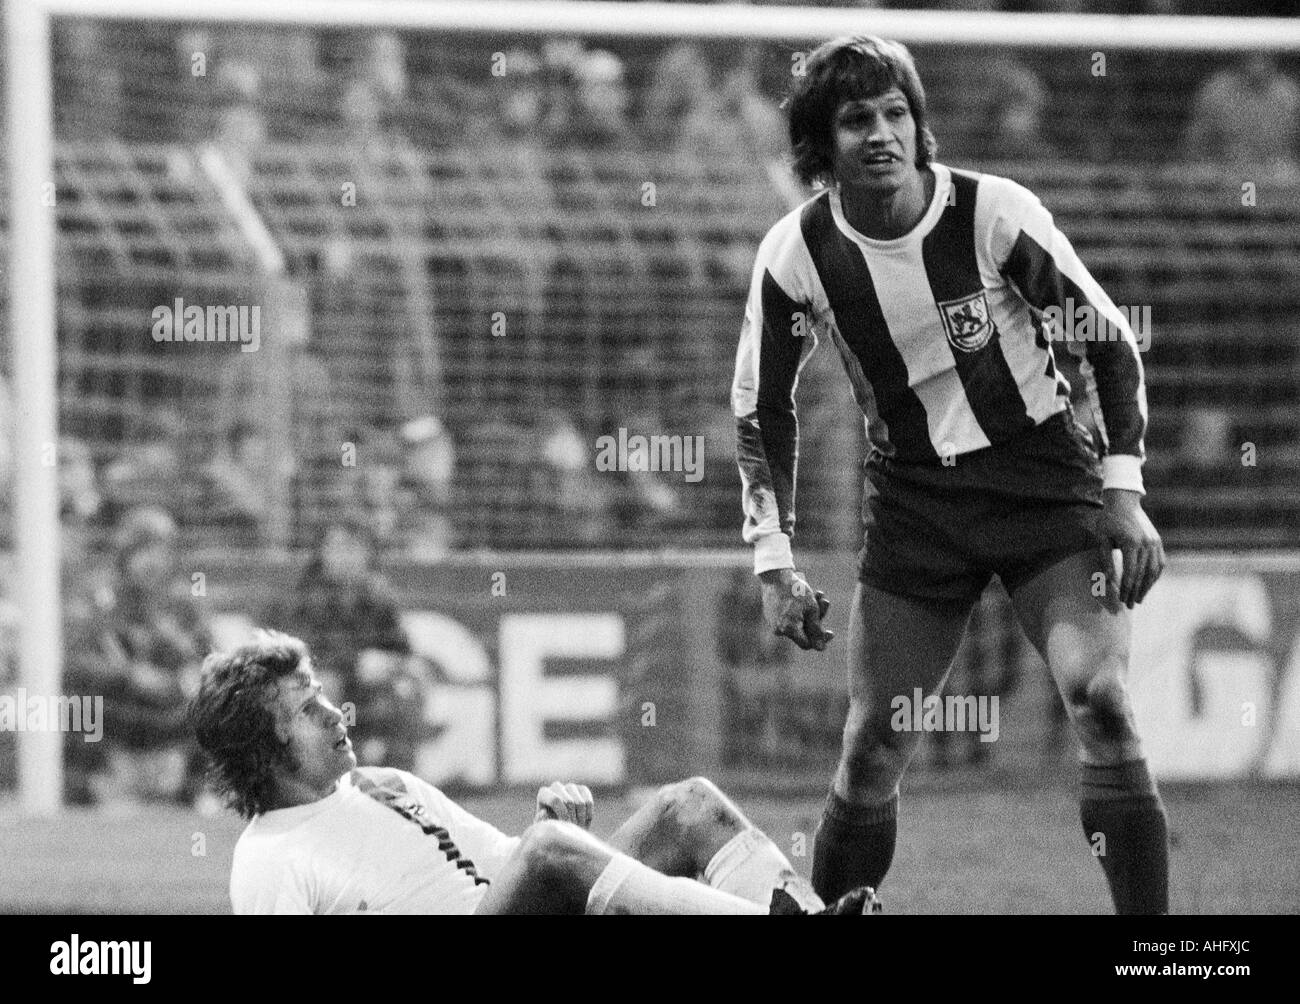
x=32, y=266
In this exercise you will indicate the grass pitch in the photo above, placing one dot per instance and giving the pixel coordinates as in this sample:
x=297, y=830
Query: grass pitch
x=968, y=844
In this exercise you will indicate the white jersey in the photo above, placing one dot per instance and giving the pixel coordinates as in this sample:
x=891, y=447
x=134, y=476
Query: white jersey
x=383, y=842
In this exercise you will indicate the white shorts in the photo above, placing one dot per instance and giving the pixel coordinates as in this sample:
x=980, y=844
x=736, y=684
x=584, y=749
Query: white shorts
x=750, y=866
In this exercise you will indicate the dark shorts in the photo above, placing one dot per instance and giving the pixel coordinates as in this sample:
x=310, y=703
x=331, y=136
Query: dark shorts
x=1012, y=510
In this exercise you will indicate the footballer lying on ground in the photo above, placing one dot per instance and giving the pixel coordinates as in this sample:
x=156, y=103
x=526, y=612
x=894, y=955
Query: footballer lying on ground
x=326, y=836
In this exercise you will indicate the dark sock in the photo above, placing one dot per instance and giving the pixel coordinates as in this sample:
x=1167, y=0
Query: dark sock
x=854, y=846
x=1124, y=821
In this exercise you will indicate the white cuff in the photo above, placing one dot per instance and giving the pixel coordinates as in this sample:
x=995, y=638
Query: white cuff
x=772, y=551
x=1122, y=470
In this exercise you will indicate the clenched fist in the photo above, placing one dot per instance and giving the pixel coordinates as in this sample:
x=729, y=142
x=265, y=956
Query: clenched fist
x=794, y=610
x=569, y=803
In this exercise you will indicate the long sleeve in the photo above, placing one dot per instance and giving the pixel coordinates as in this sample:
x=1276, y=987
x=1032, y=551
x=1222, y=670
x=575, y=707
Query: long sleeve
x=1038, y=258
x=776, y=338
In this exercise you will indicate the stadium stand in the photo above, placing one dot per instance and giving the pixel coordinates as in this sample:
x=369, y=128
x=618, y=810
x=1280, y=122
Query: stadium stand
x=615, y=309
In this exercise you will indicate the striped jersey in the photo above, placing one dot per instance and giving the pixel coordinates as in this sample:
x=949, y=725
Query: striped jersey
x=942, y=332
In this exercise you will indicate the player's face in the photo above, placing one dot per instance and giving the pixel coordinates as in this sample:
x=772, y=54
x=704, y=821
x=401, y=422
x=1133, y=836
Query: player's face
x=319, y=747
x=875, y=142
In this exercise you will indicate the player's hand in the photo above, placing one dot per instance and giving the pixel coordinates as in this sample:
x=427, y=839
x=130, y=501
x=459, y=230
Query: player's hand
x=1124, y=526
x=569, y=803
x=794, y=610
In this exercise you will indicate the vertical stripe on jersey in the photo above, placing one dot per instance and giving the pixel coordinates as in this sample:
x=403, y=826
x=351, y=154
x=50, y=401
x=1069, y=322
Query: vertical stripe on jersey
x=861, y=322
x=953, y=271
x=1118, y=382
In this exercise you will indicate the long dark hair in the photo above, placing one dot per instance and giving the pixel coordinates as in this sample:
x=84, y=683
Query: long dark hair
x=233, y=717
x=844, y=69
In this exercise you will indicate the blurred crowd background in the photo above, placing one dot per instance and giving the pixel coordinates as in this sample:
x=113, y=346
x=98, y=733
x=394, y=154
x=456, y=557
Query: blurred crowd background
x=490, y=251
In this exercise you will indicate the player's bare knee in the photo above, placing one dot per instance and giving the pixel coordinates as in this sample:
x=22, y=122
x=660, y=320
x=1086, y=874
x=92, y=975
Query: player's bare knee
x=873, y=765
x=693, y=797
x=1102, y=708
x=699, y=813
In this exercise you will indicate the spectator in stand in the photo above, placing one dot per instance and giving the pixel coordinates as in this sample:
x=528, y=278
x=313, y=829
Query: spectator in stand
x=88, y=82
x=254, y=68
x=364, y=109
x=1247, y=116
x=365, y=485
x=80, y=508
x=139, y=643
x=146, y=473
x=1014, y=125
x=577, y=501
x=234, y=486
x=240, y=129
x=79, y=495
x=712, y=500
x=729, y=125
x=520, y=101
x=733, y=119
x=648, y=503
x=424, y=529
x=680, y=83
x=375, y=306
x=589, y=109
x=383, y=65
x=346, y=612
x=511, y=157
x=87, y=588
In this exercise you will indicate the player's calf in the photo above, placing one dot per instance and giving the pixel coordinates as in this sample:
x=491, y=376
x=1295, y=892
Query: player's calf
x=859, y=826
x=1120, y=808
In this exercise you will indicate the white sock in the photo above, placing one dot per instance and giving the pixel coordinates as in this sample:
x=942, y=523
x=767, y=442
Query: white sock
x=750, y=866
x=628, y=887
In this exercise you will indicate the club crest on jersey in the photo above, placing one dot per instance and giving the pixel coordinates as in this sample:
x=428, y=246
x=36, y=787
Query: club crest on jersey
x=967, y=321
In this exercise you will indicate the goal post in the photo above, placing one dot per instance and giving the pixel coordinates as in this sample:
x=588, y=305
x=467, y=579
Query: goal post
x=34, y=348
x=716, y=21
x=32, y=319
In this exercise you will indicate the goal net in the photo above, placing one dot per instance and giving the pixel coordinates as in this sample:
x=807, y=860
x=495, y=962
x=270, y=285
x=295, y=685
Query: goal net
x=470, y=241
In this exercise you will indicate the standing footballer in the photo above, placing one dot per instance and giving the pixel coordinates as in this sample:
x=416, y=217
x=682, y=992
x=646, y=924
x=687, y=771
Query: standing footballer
x=932, y=283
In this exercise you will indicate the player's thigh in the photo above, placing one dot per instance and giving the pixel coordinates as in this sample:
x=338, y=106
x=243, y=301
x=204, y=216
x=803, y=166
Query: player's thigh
x=896, y=644
x=1084, y=639
x=551, y=871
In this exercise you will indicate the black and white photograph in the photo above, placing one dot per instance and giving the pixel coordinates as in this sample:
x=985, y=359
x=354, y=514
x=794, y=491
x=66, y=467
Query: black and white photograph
x=599, y=457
